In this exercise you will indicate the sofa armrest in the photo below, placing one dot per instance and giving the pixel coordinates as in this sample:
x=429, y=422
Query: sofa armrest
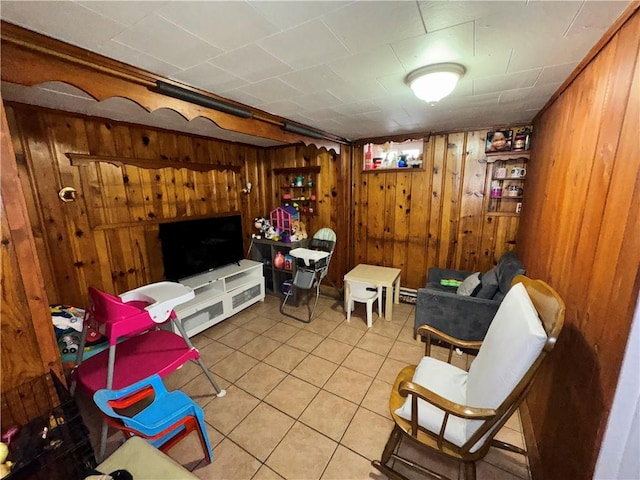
x=436, y=274
x=459, y=316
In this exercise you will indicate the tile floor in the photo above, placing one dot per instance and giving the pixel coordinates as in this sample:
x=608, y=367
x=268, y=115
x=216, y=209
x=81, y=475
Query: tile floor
x=306, y=401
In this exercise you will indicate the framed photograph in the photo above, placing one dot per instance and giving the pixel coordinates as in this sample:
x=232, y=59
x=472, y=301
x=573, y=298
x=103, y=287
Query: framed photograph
x=521, y=139
x=499, y=141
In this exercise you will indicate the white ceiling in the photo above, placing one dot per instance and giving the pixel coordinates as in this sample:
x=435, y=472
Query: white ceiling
x=338, y=66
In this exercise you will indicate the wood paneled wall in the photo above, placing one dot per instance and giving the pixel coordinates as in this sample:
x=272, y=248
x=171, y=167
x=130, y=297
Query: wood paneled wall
x=109, y=236
x=28, y=346
x=580, y=233
x=416, y=219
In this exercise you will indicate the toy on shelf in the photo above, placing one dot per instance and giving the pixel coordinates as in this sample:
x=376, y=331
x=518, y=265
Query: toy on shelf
x=282, y=219
x=265, y=228
x=298, y=231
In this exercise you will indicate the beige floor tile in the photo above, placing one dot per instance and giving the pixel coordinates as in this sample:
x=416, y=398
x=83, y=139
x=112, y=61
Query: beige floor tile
x=285, y=358
x=260, y=380
x=367, y=434
x=347, y=465
x=377, y=398
x=329, y=414
x=260, y=347
x=265, y=473
x=387, y=329
x=348, y=384
x=508, y=435
x=201, y=390
x=189, y=453
x=281, y=332
x=219, y=330
x=332, y=350
x=430, y=459
x=314, y=370
x=514, y=422
x=487, y=470
x=231, y=463
x=292, y=396
x=260, y=324
x=346, y=334
x=305, y=340
x=238, y=337
x=233, y=366
x=390, y=370
x=410, y=354
x=240, y=318
x=302, y=454
x=406, y=335
x=511, y=462
x=180, y=377
x=214, y=352
x=375, y=343
x=364, y=362
x=292, y=322
x=261, y=431
x=334, y=312
x=200, y=341
x=225, y=413
x=321, y=326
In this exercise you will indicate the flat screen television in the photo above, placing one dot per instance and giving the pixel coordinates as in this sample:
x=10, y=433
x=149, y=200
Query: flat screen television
x=197, y=246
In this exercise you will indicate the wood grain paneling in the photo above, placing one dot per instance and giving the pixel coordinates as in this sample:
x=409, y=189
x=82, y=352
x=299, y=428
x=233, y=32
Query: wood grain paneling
x=579, y=232
x=416, y=219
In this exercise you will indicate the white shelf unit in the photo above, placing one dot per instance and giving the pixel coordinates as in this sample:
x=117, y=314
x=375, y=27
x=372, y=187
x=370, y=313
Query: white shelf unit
x=220, y=294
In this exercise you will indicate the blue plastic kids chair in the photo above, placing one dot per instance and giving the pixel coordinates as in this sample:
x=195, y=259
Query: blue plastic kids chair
x=165, y=421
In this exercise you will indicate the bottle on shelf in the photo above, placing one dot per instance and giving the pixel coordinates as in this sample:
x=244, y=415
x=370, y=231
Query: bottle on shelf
x=368, y=158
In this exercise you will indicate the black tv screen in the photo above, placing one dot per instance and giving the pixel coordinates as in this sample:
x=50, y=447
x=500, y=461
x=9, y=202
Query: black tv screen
x=196, y=246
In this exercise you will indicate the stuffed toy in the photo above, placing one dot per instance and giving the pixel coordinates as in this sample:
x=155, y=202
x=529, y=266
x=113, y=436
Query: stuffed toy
x=263, y=226
x=298, y=231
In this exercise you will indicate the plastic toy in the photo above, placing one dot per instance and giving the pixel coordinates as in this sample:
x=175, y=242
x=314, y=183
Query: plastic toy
x=282, y=218
x=450, y=282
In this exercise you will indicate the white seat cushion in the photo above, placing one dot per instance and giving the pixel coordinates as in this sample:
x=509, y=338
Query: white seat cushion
x=513, y=342
x=447, y=381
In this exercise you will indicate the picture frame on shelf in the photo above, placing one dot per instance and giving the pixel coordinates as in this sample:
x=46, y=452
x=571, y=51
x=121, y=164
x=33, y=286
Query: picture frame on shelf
x=499, y=141
x=521, y=139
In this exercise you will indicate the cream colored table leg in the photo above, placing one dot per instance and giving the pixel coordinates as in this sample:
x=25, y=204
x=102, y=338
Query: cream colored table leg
x=388, y=307
x=396, y=290
x=347, y=292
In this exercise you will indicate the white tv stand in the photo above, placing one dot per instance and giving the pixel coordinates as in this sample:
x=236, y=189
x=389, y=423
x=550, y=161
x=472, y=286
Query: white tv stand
x=220, y=293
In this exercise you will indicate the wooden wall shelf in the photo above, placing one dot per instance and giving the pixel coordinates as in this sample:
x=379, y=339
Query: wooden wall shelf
x=294, y=170
x=79, y=160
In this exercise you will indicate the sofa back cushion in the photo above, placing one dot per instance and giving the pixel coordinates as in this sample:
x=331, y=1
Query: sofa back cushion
x=509, y=265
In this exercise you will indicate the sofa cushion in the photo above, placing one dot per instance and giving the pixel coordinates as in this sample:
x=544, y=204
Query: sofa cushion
x=489, y=284
x=469, y=285
x=509, y=265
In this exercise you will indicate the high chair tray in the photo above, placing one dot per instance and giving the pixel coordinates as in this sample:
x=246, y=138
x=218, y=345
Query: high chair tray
x=157, y=351
x=308, y=255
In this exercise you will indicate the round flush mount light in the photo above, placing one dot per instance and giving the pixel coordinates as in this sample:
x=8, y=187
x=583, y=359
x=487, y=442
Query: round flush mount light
x=434, y=82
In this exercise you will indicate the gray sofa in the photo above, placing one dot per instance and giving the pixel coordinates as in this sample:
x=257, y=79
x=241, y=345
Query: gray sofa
x=460, y=316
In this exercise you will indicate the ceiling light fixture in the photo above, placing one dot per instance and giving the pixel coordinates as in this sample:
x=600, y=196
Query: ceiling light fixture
x=434, y=82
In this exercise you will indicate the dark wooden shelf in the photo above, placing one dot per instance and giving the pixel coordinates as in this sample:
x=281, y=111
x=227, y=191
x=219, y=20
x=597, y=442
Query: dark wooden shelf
x=507, y=197
x=291, y=170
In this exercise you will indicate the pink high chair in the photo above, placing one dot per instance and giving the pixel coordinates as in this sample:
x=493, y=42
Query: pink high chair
x=131, y=322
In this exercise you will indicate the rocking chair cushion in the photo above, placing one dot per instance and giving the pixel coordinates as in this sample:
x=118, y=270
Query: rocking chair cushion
x=447, y=381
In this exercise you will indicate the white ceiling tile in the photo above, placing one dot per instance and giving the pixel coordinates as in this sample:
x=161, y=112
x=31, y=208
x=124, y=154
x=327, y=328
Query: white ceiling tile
x=537, y=20
x=363, y=25
x=317, y=100
x=446, y=45
x=281, y=107
x=313, y=79
x=381, y=61
x=66, y=21
x=357, y=108
x=209, y=77
x=288, y=13
x=113, y=49
x=438, y=15
x=509, y=81
x=217, y=22
x=127, y=13
x=243, y=97
x=161, y=39
x=270, y=90
x=326, y=114
x=556, y=73
x=314, y=44
x=393, y=83
x=251, y=63
x=357, y=91
x=522, y=94
x=597, y=15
